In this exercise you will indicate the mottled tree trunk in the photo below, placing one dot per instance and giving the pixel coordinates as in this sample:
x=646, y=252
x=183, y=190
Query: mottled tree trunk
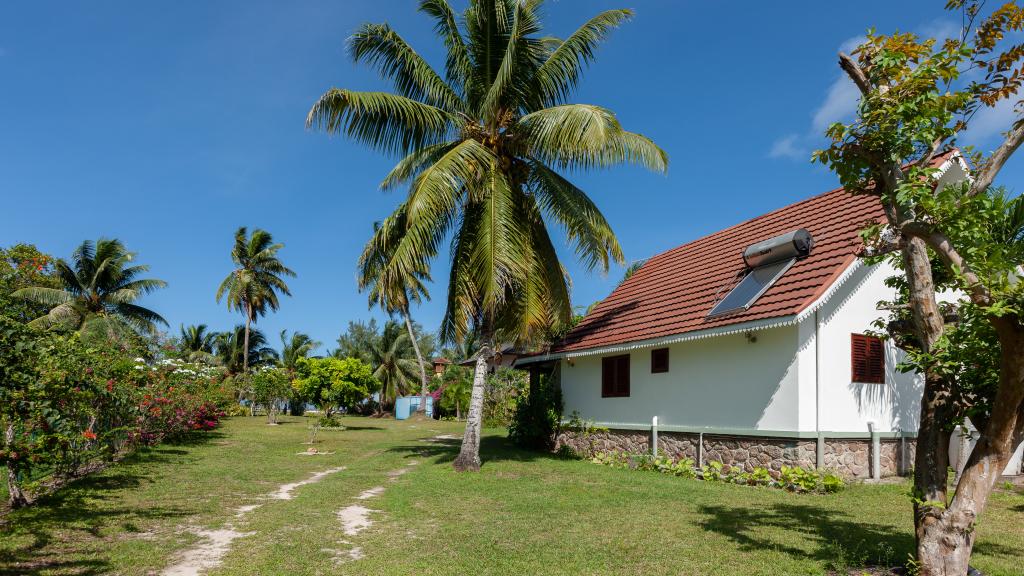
x=16, y=496
x=419, y=360
x=469, y=454
x=245, y=344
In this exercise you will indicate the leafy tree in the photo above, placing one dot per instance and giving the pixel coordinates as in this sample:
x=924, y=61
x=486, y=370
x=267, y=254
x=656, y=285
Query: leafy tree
x=481, y=152
x=394, y=361
x=271, y=387
x=253, y=285
x=358, y=340
x=233, y=347
x=333, y=383
x=915, y=101
x=97, y=294
x=18, y=374
x=23, y=266
x=457, y=382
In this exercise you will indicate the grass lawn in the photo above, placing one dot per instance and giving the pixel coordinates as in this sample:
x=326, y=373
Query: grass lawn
x=524, y=513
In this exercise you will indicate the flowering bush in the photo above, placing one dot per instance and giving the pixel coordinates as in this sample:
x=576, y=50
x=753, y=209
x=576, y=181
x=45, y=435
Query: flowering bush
x=65, y=406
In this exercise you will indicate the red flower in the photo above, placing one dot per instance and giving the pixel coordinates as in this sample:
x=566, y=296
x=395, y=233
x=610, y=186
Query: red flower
x=89, y=435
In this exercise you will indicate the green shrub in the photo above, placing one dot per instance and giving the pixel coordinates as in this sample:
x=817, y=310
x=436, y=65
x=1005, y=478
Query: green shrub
x=535, y=423
x=713, y=472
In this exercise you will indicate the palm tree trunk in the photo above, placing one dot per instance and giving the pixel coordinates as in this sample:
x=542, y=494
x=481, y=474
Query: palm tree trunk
x=16, y=496
x=469, y=454
x=419, y=360
x=245, y=345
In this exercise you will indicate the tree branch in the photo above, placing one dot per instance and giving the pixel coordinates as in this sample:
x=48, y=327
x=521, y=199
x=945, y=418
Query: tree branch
x=855, y=73
x=987, y=173
x=938, y=242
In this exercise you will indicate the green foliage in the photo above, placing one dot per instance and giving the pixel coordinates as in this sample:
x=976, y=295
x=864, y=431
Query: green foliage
x=358, y=340
x=333, y=383
x=794, y=479
x=479, y=147
x=96, y=294
x=270, y=387
x=231, y=351
x=297, y=346
x=457, y=386
x=505, y=389
x=23, y=266
x=537, y=417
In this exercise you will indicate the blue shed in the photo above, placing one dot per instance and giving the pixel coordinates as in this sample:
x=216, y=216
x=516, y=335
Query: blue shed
x=406, y=405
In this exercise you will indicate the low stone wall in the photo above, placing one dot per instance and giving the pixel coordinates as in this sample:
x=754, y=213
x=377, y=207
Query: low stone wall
x=850, y=458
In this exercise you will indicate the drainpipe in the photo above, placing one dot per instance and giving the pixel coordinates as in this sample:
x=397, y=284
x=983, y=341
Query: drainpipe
x=819, y=450
x=654, y=436
x=876, y=452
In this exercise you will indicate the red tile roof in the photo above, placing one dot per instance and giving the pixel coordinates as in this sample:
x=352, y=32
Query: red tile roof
x=673, y=292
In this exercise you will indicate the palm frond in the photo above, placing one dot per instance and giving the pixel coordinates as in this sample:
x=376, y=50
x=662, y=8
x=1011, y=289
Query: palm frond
x=387, y=122
x=560, y=74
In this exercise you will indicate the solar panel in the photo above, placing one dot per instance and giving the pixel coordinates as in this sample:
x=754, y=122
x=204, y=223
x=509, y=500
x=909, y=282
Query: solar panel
x=751, y=287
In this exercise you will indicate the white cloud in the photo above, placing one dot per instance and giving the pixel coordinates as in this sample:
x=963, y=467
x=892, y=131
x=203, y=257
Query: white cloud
x=850, y=43
x=989, y=123
x=788, y=147
x=840, y=104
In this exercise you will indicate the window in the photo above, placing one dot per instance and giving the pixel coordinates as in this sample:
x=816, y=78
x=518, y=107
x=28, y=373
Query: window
x=615, y=376
x=659, y=360
x=867, y=359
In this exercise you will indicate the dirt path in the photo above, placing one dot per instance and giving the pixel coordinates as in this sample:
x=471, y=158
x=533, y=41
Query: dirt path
x=213, y=545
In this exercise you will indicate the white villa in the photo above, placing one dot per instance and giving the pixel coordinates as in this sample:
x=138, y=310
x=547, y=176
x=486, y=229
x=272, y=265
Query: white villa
x=751, y=355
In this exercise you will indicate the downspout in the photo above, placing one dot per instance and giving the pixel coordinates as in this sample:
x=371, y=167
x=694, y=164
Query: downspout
x=819, y=452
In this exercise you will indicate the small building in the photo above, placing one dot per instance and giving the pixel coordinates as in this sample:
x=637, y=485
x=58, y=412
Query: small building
x=749, y=353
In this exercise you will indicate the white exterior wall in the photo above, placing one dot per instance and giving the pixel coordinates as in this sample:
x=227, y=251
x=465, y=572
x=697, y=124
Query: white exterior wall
x=847, y=406
x=720, y=382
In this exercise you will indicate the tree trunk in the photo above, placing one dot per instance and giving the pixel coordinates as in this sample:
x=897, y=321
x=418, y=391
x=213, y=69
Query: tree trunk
x=946, y=539
x=469, y=454
x=16, y=496
x=245, y=345
x=419, y=360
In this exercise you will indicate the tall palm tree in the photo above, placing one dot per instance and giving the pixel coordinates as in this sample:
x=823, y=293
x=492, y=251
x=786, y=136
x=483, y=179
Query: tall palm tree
x=393, y=289
x=98, y=293
x=299, y=345
x=393, y=361
x=481, y=149
x=236, y=345
x=253, y=285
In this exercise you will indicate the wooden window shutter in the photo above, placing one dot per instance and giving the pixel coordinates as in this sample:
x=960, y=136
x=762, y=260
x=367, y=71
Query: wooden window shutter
x=615, y=376
x=867, y=358
x=659, y=360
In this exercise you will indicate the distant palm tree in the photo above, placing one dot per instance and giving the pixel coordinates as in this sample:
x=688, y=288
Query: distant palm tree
x=98, y=294
x=393, y=289
x=253, y=285
x=197, y=342
x=393, y=361
x=481, y=151
x=298, y=346
x=233, y=347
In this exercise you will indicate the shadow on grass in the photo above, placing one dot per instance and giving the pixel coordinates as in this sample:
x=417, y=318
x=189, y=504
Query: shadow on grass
x=492, y=449
x=831, y=533
x=58, y=527
x=350, y=427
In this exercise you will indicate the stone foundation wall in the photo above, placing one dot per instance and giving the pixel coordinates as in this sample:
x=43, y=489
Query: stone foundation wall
x=850, y=458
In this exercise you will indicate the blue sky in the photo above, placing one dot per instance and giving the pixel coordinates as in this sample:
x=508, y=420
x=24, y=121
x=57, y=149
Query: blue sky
x=168, y=125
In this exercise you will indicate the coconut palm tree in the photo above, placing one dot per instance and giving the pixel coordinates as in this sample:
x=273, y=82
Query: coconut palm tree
x=253, y=285
x=299, y=345
x=98, y=293
x=481, y=151
x=393, y=289
x=394, y=362
x=198, y=343
x=236, y=345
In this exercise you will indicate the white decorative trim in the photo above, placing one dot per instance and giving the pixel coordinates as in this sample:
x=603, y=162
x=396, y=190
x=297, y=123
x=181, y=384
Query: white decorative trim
x=750, y=326
x=825, y=296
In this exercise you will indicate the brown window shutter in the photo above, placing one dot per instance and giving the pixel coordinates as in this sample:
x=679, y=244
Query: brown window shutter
x=867, y=359
x=615, y=376
x=659, y=360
